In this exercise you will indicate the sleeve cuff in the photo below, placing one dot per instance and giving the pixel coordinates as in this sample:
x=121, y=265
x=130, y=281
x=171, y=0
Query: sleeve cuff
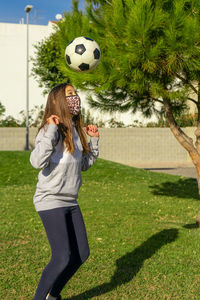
x=94, y=140
x=52, y=132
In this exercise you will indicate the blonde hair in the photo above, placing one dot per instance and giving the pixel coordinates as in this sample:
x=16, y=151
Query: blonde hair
x=57, y=105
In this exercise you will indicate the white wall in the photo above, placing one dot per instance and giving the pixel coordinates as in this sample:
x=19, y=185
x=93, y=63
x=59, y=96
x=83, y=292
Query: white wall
x=13, y=66
x=13, y=72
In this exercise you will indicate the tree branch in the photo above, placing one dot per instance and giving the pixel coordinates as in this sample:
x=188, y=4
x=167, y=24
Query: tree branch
x=157, y=100
x=183, y=139
x=194, y=101
x=198, y=105
x=197, y=131
x=185, y=81
x=108, y=2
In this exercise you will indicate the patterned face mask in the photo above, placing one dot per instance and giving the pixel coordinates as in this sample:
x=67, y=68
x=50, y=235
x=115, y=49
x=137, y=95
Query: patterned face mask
x=74, y=104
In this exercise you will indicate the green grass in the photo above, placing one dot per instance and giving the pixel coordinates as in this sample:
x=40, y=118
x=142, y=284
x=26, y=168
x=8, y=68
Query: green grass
x=140, y=225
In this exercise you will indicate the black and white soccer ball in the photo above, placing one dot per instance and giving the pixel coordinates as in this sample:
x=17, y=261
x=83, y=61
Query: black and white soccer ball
x=82, y=54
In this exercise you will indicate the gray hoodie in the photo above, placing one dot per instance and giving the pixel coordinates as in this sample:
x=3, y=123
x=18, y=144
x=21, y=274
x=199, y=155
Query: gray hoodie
x=60, y=178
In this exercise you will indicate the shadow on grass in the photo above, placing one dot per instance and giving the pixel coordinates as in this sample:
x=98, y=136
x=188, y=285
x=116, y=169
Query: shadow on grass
x=182, y=188
x=131, y=263
x=191, y=226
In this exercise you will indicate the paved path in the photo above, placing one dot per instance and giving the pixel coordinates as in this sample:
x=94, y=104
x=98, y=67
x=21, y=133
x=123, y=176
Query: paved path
x=185, y=169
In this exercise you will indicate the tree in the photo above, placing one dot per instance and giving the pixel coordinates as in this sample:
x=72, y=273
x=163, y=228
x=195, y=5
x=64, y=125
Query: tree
x=150, y=58
x=151, y=55
x=45, y=69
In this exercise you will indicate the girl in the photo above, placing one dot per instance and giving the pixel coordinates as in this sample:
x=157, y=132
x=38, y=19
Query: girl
x=62, y=152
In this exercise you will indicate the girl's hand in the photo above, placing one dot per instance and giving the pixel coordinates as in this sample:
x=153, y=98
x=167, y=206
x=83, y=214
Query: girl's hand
x=92, y=130
x=53, y=119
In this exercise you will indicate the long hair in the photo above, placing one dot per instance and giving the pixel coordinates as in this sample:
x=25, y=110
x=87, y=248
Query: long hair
x=57, y=105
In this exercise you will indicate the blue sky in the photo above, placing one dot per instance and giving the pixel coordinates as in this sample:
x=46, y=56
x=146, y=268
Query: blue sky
x=12, y=11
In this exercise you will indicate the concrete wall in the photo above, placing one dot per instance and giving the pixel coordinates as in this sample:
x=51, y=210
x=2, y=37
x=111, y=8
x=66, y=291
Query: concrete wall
x=131, y=146
x=13, y=66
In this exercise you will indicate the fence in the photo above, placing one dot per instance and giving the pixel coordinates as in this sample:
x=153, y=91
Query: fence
x=131, y=146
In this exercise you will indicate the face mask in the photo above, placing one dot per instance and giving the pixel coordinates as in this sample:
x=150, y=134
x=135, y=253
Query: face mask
x=74, y=104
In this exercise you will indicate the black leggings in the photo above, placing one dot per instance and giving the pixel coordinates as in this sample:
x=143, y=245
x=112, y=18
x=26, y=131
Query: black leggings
x=67, y=236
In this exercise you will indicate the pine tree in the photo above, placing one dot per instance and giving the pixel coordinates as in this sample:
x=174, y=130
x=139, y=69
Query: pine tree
x=151, y=54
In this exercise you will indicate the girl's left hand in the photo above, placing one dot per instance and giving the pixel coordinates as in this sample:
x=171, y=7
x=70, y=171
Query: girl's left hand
x=92, y=130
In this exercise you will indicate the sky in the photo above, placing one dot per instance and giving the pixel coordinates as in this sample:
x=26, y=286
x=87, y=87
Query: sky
x=12, y=11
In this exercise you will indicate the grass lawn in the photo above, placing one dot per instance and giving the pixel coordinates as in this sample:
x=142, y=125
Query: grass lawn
x=140, y=225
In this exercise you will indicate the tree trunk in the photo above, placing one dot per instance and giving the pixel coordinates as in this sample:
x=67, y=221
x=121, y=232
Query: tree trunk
x=197, y=133
x=196, y=162
x=198, y=180
x=187, y=143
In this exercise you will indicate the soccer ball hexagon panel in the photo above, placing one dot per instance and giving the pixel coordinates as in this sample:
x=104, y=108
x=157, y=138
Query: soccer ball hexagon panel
x=82, y=54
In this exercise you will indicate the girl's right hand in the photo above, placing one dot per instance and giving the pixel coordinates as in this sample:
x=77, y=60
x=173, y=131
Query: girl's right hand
x=53, y=119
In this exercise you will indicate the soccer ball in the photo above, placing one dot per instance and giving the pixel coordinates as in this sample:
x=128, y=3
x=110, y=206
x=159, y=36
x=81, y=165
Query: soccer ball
x=82, y=54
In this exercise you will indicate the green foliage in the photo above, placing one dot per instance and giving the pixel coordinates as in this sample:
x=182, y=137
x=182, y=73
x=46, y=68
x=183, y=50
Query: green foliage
x=45, y=69
x=49, y=65
x=79, y=25
x=145, y=45
x=2, y=110
x=10, y=121
x=150, y=52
